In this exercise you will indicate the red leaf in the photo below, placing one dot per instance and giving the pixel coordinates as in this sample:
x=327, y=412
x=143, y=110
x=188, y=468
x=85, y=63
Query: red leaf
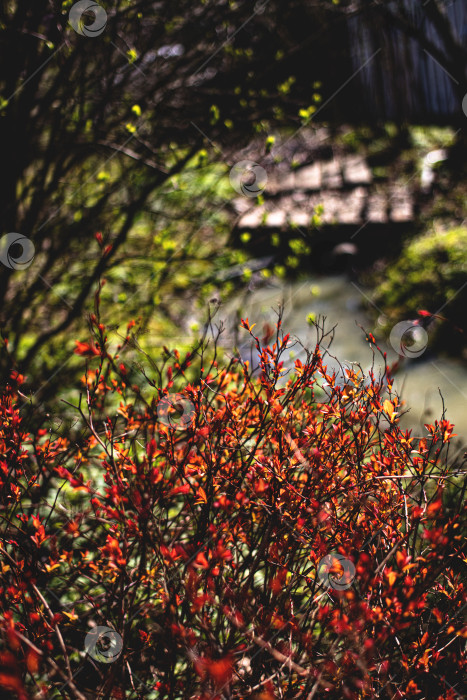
x=201, y=562
x=219, y=670
x=151, y=448
x=32, y=661
x=86, y=349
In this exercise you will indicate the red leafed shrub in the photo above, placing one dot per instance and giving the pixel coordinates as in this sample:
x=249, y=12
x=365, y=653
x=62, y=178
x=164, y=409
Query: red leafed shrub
x=206, y=532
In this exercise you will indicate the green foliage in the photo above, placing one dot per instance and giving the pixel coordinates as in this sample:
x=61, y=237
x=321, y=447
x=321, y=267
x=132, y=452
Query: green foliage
x=116, y=137
x=431, y=137
x=429, y=275
x=299, y=246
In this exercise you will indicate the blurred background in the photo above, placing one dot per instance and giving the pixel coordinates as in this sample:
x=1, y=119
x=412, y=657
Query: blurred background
x=199, y=162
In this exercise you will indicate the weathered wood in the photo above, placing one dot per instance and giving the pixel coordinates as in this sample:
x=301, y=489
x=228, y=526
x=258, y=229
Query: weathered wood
x=404, y=81
x=342, y=186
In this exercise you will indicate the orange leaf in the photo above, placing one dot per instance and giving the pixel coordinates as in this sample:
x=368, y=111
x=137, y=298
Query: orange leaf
x=32, y=661
x=201, y=562
x=388, y=408
x=202, y=498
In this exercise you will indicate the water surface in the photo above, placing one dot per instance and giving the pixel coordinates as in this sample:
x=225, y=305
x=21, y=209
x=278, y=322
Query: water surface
x=423, y=383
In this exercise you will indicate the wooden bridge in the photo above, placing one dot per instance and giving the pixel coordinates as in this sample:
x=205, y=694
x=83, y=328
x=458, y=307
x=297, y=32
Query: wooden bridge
x=343, y=188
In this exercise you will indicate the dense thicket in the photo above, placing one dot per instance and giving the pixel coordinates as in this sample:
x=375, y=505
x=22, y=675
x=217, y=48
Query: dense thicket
x=229, y=536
